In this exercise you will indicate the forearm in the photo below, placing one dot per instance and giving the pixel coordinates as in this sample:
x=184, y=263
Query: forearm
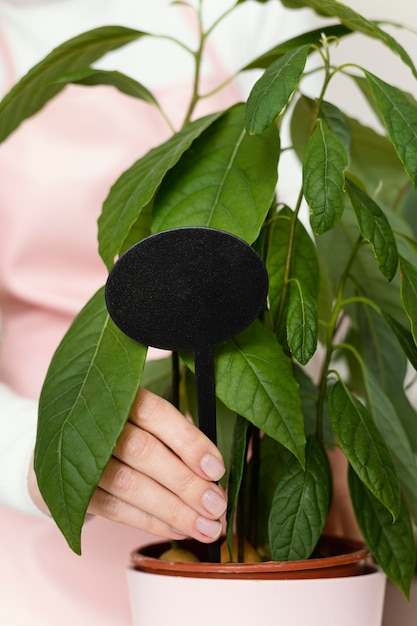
x=18, y=418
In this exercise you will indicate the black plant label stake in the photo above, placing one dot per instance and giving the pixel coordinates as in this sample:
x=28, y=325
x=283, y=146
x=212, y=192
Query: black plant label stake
x=188, y=289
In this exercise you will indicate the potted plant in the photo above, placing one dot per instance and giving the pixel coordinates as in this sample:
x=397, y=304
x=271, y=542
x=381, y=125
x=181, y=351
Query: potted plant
x=325, y=366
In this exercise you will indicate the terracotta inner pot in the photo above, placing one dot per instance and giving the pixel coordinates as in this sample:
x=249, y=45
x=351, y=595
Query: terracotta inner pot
x=337, y=557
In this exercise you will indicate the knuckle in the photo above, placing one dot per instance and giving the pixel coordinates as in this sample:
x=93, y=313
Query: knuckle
x=135, y=444
x=148, y=407
x=109, y=506
x=176, y=514
x=186, y=484
x=123, y=478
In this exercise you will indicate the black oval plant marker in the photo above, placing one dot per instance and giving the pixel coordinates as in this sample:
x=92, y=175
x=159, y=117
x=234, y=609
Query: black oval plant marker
x=188, y=289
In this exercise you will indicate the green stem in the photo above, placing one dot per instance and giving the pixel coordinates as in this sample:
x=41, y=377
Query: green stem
x=254, y=486
x=287, y=272
x=198, y=57
x=288, y=261
x=331, y=331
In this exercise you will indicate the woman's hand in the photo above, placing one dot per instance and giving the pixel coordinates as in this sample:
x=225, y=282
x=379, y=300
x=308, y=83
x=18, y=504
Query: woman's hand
x=161, y=477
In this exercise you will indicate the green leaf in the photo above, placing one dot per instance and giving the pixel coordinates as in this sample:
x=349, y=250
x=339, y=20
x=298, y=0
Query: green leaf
x=303, y=118
x=338, y=123
x=311, y=38
x=301, y=319
x=273, y=459
x=300, y=505
x=235, y=478
x=84, y=405
x=409, y=293
x=392, y=545
x=364, y=447
x=405, y=339
x=91, y=77
x=386, y=360
x=273, y=90
x=400, y=120
x=157, y=376
x=133, y=191
x=323, y=178
x=375, y=162
x=254, y=378
x=372, y=157
x=375, y=228
x=226, y=180
x=365, y=277
x=38, y=86
x=302, y=322
x=276, y=260
x=389, y=425
x=355, y=22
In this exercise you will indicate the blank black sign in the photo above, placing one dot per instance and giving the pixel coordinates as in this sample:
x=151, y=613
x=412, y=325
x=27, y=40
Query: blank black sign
x=186, y=288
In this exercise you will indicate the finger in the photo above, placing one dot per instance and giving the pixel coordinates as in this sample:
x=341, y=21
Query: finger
x=144, y=494
x=141, y=451
x=105, y=505
x=160, y=418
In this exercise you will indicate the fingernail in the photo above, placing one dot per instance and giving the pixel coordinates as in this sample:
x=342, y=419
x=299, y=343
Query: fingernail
x=212, y=467
x=214, y=503
x=209, y=527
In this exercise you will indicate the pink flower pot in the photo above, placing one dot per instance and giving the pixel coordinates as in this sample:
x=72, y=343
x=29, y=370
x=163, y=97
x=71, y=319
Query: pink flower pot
x=341, y=588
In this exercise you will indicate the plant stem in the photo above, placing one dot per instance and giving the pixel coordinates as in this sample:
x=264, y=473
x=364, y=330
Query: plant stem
x=198, y=58
x=254, y=486
x=288, y=261
x=331, y=331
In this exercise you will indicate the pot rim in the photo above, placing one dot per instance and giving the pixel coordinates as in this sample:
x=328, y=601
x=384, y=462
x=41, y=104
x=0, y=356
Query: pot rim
x=352, y=560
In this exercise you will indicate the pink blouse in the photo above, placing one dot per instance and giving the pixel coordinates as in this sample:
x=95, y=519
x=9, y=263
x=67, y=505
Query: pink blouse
x=56, y=170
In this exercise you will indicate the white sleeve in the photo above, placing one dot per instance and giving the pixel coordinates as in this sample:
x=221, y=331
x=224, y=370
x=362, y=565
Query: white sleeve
x=18, y=419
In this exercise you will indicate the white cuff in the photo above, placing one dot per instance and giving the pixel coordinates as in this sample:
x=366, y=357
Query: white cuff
x=18, y=420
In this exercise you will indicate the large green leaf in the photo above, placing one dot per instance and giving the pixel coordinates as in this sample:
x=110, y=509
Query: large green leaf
x=254, y=378
x=409, y=293
x=355, y=22
x=39, y=85
x=364, y=446
x=134, y=190
x=226, y=180
x=324, y=164
x=84, y=405
x=392, y=545
x=375, y=229
x=389, y=425
x=92, y=77
x=381, y=346
x=400, y=119
x=272, y=91
x=300, y=505
x=301, y=317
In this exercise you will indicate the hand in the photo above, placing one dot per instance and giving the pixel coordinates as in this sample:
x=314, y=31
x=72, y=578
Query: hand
x=161, y=475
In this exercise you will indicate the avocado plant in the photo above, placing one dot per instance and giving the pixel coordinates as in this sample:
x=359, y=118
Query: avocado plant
x=328, y=361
